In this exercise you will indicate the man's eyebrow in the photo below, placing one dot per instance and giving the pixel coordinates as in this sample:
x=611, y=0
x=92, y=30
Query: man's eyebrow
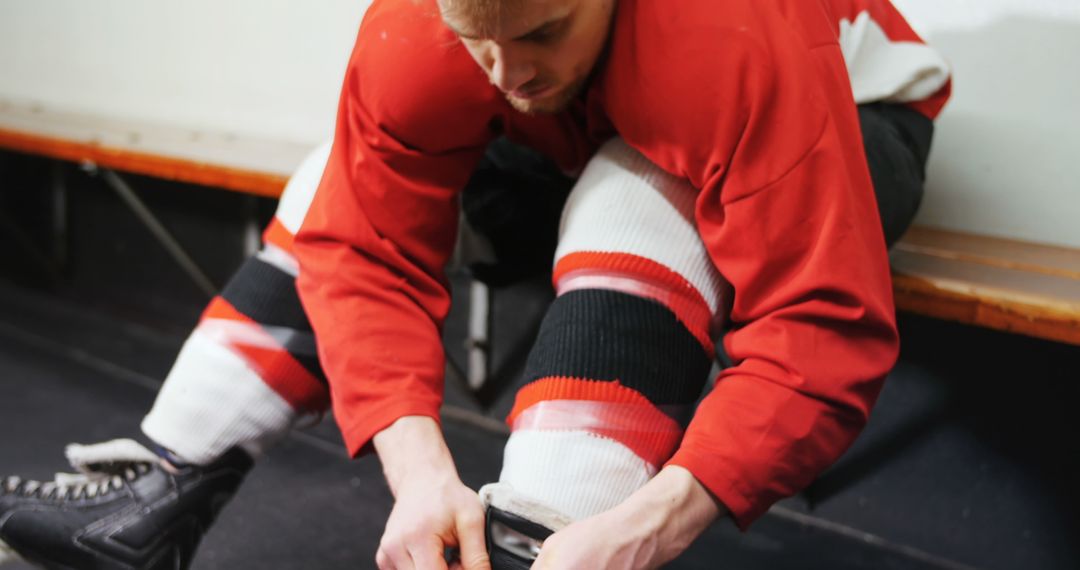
x=541, y=28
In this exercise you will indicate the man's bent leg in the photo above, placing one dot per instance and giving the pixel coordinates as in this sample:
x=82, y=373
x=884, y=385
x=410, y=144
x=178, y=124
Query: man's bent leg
x=245, y=374
x=624, y=350
x=897, y=142
x=249, y=369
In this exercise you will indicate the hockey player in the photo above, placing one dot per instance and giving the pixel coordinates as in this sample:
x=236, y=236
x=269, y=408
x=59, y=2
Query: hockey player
x=740, y=167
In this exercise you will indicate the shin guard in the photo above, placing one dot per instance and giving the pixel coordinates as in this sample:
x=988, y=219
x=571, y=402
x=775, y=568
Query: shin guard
x=625, y=348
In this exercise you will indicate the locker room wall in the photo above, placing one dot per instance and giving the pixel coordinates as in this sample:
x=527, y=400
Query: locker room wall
x=1004, y=163
x=269, y=68
x=1006, y=159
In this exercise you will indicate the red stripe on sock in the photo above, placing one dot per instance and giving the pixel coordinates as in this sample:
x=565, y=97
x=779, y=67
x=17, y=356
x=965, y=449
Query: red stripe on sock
x=276, y=234
x=275, y=366
x=682, y=297
x=614, y=411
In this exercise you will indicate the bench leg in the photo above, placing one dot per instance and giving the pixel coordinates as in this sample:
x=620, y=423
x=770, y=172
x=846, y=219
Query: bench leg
x=478, y=343
x=59, y=214
x=143, y=213
x=252, y=227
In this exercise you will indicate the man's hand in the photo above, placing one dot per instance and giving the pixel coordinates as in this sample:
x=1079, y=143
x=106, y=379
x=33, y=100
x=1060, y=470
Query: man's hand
x=430, y=515
x=433, y=509
x=604, y=541
x=650, y=528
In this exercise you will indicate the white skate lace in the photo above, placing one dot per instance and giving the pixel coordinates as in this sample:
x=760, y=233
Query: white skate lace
x=102, y=468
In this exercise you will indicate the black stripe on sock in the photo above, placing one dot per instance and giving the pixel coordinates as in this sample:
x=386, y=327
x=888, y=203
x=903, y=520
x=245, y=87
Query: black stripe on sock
x=267, y=295
x=607, y=335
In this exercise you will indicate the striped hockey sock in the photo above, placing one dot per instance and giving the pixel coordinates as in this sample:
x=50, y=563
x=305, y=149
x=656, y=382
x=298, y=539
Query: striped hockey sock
x=249, y=370
x=625, y=348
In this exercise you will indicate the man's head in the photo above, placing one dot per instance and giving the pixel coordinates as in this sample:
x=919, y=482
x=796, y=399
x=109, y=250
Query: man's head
x=538, y=52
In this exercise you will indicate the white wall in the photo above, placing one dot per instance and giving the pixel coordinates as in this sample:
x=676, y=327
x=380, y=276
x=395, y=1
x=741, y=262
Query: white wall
x=259, y=67
x=1006, y=160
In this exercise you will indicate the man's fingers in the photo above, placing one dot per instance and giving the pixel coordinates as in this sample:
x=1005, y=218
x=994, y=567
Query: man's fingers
x=382, y=560
x=427, y=555
x=548, y=551
x=393, y=557
x=542, y=561
x=470, y=532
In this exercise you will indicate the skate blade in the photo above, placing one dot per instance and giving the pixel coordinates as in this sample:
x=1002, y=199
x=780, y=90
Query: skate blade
x=525, y=547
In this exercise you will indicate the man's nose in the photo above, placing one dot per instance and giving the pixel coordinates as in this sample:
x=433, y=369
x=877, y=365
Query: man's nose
x=509, y=70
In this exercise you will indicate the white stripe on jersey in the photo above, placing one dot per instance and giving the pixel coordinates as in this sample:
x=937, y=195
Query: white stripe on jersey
x=885, y=70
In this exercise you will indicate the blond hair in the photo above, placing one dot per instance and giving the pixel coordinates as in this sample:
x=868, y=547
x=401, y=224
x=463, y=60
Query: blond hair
x=485, y=15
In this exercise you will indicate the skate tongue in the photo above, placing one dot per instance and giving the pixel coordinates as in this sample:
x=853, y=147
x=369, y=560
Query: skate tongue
x=87, y=458
x=504, y=497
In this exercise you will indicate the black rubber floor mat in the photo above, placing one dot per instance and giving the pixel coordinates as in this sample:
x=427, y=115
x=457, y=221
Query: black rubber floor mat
x=933, y=473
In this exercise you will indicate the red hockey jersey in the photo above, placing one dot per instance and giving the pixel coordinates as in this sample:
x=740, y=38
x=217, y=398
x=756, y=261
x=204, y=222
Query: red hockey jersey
x=751, y=101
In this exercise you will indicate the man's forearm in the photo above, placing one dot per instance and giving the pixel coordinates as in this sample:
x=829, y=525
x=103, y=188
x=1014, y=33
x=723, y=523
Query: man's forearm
x=413, y=446
x=676, y=507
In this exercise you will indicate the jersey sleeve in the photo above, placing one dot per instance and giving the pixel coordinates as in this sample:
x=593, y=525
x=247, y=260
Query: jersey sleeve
x=413, y=120
x=767, y=129
x=887, y=60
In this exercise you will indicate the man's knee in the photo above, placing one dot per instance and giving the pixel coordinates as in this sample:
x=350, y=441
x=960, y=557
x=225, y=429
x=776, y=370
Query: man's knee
x=897, y=142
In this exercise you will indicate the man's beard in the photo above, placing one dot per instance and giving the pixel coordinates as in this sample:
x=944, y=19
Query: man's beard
x=550, y=105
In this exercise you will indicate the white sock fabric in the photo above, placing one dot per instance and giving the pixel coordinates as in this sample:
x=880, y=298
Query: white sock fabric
x=212, y=401
x=622, y=208
x=574, y=472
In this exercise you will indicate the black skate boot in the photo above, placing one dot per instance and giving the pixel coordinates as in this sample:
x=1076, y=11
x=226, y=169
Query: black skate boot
x=126, y=509
x=517, y=526
x=513, y=542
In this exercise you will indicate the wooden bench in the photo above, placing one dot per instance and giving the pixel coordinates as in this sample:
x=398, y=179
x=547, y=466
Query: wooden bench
x=1003, y=284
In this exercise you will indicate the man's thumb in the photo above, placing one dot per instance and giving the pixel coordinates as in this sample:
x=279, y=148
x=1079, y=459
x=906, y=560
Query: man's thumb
x=473, y=549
